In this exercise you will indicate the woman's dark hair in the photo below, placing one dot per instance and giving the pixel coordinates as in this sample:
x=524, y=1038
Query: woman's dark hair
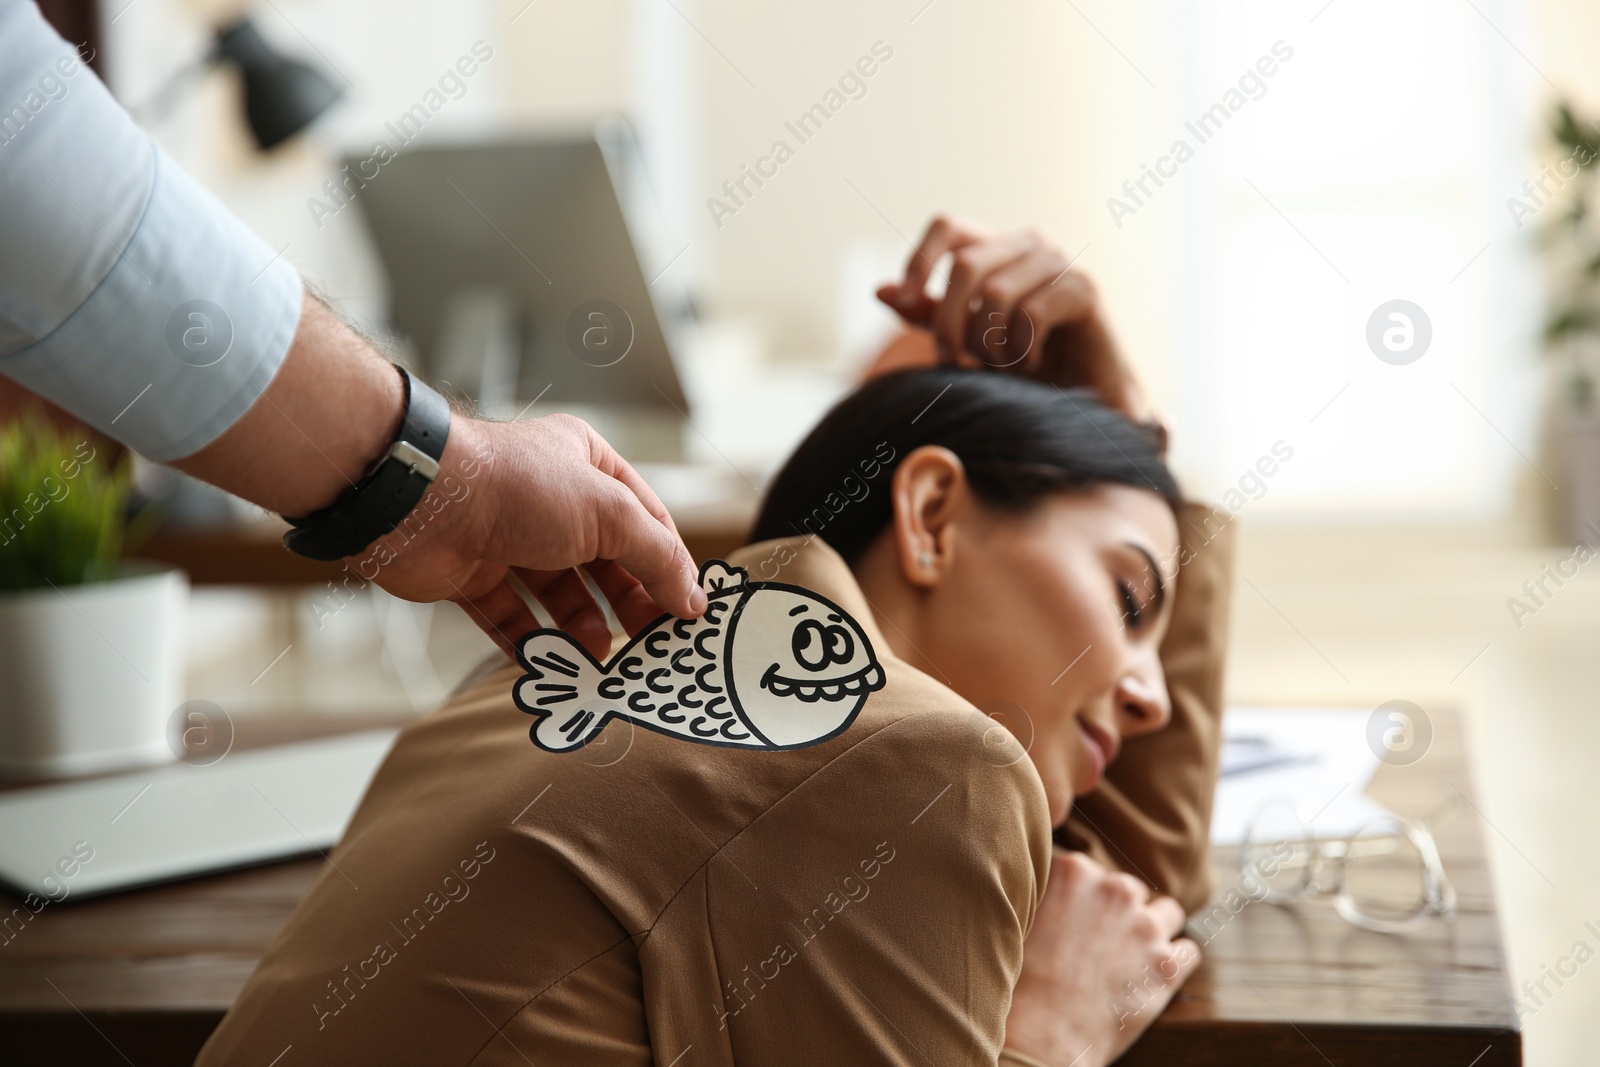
x=1018, y=440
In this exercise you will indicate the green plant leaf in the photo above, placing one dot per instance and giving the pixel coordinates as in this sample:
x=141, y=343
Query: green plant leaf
x=1569, y=322
x=63, y=506
x=1574, y=133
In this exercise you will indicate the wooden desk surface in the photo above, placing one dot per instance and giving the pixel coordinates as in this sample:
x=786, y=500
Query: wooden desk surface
x=1297, y=984
x=145, y=976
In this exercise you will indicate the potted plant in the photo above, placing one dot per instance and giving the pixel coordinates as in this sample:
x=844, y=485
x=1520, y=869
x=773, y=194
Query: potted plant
x=91, y=646
x=1572, y=330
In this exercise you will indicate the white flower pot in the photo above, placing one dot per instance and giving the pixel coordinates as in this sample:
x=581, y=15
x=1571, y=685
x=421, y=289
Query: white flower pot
x=90, y=674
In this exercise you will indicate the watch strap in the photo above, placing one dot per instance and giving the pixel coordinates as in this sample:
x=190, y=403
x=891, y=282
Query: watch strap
x=389, y=492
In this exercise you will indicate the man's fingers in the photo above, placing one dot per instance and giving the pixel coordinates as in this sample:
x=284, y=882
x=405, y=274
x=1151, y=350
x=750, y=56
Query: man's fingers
x=1168, y=914
x=571, y=606
x=633, y=607
x=652, y=553
x=501, y=614
x=608, y=461
x=637, y=532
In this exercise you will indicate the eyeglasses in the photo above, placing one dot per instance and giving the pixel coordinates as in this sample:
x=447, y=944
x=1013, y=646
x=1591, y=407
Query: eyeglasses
x=1386, y=876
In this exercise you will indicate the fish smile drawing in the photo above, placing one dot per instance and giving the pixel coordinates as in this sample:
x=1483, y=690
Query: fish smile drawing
x=768, y=666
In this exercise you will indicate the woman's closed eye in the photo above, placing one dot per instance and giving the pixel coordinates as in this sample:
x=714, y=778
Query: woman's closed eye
x=1143, y=596
x=1132, y=610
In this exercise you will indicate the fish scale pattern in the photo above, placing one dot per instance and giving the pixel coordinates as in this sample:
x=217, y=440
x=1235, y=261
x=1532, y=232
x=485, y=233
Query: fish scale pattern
x=674, y=680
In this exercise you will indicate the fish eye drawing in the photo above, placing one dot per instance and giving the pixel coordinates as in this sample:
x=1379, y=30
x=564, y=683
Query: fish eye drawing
x=768, y=666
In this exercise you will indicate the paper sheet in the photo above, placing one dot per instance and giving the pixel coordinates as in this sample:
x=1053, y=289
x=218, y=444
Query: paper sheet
x=1317, y=759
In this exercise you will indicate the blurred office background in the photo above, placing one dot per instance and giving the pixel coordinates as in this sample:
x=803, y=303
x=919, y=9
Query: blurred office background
x=1378, y=161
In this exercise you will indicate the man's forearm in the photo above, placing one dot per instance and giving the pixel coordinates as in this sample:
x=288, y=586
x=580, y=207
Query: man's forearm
x=333, y=408
x=133, y=299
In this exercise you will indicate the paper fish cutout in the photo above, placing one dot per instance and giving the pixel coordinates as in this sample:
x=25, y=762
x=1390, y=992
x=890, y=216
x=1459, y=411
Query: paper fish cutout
x=768, y=666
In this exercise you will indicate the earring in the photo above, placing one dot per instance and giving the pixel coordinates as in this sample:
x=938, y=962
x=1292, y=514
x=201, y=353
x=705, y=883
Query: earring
x=925, y=560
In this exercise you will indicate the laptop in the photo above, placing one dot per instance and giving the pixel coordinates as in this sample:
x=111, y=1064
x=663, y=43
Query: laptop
x=532, y=262
x=80, y=839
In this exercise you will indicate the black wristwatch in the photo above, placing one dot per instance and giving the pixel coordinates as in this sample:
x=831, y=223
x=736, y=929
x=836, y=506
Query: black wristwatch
x=389, y=491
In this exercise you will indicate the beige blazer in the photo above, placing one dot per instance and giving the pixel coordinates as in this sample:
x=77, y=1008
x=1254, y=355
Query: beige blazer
x=646, y=899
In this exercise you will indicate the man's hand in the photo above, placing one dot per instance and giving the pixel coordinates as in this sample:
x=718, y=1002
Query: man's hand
x=1014, y=301
x=1098, y=966
x=532, y=500
x=535, y=500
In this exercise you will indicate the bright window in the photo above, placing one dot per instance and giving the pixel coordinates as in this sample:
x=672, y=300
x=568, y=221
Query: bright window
x=1375, y=165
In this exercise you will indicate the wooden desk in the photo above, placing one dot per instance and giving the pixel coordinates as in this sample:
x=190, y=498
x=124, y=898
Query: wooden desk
x=149, y=974
x=1298, y=985
x=152, y=972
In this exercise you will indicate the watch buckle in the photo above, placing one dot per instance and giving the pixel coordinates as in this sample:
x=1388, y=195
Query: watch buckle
x=415, y=458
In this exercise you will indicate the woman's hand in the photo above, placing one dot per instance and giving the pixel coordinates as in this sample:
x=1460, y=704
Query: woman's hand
x=1098, y=966
x=1014, y=301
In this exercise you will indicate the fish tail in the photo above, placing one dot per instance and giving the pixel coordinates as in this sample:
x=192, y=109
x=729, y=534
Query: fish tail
x=560, y=675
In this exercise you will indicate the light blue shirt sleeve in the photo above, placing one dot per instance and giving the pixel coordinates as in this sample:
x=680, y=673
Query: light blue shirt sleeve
x=129, y=295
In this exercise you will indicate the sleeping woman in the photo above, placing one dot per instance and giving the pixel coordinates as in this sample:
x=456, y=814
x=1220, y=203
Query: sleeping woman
x=928, y=783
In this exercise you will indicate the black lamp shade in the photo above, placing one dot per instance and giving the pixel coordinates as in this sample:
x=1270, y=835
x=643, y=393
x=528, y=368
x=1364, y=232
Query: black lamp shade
x=281, y=96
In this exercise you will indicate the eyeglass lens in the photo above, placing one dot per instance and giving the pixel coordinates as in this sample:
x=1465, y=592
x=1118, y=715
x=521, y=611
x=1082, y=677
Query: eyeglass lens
x=1385, y=875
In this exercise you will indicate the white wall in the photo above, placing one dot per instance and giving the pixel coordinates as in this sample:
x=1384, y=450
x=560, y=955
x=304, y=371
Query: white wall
x=1029, y=112
x=386, y=58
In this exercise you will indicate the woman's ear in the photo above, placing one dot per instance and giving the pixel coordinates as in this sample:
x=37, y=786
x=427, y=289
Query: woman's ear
x=930, y=492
